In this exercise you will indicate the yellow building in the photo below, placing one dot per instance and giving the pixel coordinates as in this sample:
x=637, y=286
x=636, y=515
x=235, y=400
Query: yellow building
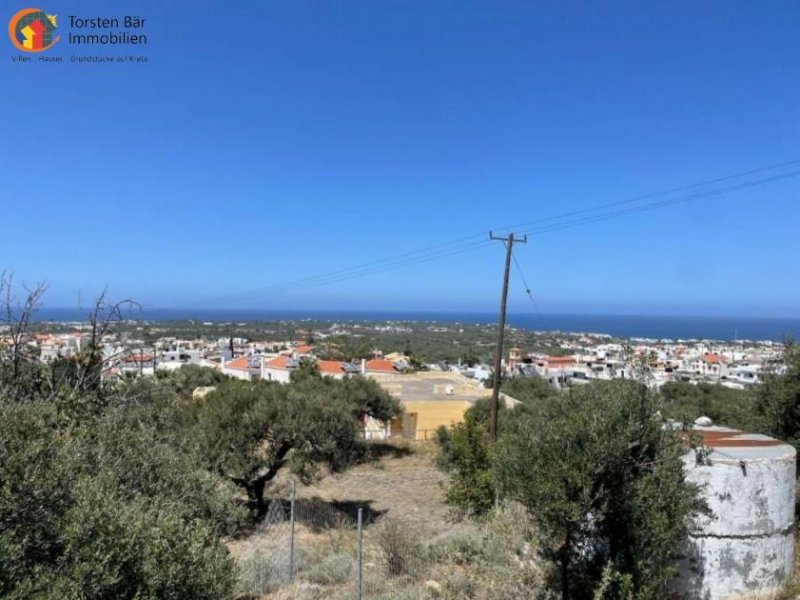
x=431, y=399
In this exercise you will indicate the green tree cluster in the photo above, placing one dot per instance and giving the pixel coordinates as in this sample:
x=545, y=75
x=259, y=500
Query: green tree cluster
x=685, y=402
x=604, y=480
x=247, y=431
x=598, y=473
x=465, y=448
x=106, y=506
x=125, y=488
x=777, y=399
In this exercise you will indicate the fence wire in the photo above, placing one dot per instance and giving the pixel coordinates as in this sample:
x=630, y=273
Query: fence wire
x=308, y=548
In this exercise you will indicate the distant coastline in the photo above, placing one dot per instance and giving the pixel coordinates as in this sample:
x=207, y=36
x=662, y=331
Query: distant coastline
x=623, y=326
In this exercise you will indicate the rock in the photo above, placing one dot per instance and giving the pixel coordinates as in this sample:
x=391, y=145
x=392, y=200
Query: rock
x=433, y=586
x=703, y=422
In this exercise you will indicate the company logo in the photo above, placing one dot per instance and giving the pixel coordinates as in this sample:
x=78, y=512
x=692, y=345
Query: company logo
x=31, y=30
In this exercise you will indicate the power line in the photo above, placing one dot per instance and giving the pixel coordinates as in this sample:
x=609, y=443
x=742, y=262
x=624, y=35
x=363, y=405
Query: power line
x=470, y=243
x=663, y=203
x=347, y=274
x=525, y=283
x=363, y=269
x=667, y=192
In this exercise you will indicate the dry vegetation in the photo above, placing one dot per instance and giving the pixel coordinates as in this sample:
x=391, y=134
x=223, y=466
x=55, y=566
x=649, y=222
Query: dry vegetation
x=412, y=549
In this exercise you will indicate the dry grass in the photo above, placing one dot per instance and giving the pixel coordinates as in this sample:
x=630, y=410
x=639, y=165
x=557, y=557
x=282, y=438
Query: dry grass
x=412, y=551
x=492, y=560
x=407, y=488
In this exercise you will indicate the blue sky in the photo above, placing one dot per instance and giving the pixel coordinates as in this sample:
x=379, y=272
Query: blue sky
x=266, y=142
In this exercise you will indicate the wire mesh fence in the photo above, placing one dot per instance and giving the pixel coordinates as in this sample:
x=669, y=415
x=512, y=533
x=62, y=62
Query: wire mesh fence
x=309, y=548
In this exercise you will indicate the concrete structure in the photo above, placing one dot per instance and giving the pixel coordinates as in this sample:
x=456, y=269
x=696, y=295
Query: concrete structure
x=431, y=399
x=244, y=367
x=278, y=369
x=382, y=365
x=136, y=364
x=747, y=545
x=175, y=358
x=514, y=358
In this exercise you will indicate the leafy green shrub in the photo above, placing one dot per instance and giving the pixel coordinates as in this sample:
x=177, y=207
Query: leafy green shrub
x=685, y=402
x=778, y=397
x=605, y=484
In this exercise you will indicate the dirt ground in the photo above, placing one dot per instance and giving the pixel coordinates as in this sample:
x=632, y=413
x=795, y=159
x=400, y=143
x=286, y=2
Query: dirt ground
x=405, y=487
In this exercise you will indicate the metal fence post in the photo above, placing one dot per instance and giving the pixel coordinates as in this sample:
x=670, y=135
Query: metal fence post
x=360, y=573
x=291, y=535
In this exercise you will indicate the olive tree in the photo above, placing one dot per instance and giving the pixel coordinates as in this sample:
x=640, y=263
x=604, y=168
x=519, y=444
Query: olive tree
x=109, y=506
x=604, y=481
x=248, y=431
x=778, y=397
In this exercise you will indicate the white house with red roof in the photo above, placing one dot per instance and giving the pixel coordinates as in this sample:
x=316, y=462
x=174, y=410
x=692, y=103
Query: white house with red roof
x=333, y=368
x=246, y=368
x=710, y=364
x=278, y=369
x=383, y=365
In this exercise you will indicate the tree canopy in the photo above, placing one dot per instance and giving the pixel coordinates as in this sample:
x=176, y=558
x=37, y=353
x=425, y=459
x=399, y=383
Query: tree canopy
x=598, y=472
x=247, y=431
x=124, y=487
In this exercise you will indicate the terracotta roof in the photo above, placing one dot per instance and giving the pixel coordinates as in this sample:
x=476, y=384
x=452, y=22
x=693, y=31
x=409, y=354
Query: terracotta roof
x=559, y=360
x=712, y=358
x=237, y=363
x=303, y=349
x=138, y=358
x=380, y=364
x=279, y=362
x=330, y=367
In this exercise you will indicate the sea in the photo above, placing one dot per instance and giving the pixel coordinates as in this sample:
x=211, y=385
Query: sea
x=621, y=326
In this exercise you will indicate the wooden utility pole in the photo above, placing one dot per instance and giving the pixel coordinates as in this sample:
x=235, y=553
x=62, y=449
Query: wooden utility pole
x=498, y=355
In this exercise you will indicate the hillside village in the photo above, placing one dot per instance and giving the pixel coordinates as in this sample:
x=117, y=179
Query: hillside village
x=433, y=393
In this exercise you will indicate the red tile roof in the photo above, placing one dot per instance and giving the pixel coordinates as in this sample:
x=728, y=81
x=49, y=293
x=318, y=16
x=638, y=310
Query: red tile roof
x=303, y=349
x=279, y=362
x=330, y=367
x=238, y=363
x=712, y=358
x=380, y=365
x=138, y=358
x=559, y=360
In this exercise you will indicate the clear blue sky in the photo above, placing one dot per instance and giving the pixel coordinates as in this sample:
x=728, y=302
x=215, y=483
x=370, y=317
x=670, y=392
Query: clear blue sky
x=270, y=141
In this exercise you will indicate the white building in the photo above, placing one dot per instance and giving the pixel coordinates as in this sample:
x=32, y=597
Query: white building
x=245, y=368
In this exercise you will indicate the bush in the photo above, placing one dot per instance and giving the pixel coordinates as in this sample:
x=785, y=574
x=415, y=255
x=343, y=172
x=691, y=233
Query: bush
x=402, y=554
x=778, y=397
x=102, y=508
x=262, y=572
x=605, y=483
x=332, y=570
x=685, y=402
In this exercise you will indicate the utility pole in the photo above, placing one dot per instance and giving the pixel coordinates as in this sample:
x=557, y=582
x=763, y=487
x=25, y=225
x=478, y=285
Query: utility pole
x=498, y=355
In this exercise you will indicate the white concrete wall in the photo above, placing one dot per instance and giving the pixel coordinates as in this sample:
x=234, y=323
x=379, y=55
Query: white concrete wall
x=279, y=375
x=375, y=430
x=747, y=546
x=237, y=373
